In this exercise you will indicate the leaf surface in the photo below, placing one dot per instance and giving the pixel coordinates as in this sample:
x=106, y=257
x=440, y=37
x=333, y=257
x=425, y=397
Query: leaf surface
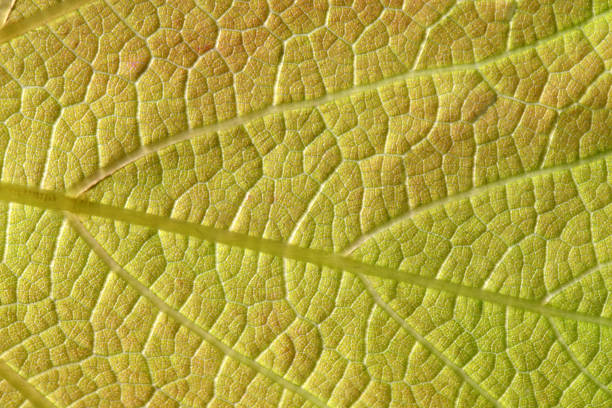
x=5, y=9
x=308, y=203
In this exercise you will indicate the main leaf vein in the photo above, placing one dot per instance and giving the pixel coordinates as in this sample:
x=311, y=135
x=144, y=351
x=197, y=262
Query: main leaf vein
x=58, y=201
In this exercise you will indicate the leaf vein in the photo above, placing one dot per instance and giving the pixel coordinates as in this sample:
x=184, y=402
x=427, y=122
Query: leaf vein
x=40, y=18
x=108, y=170
x=425, y=343
x=571, y=355
x=11, y=376
x=182, y=319
x=58, y=201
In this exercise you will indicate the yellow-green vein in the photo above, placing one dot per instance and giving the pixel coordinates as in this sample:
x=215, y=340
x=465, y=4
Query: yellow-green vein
x=180, y=318
x=24, y=387
x=58, y=201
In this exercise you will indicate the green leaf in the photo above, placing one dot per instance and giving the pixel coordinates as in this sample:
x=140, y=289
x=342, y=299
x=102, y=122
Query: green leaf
x=306, y=204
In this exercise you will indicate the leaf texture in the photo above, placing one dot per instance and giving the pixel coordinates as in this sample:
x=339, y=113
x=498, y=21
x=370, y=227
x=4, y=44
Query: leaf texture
x=5, y=8
x=306, y=204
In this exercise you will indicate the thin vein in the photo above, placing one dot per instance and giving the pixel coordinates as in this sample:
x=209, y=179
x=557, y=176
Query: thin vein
x=22, y=385
x=425, y=343
x=106, y=171
x=574, y=359
x=40, y=18
x=5, y=9
x=54, y=200
x=470, y=193
x=182, y=319
x=572, y=282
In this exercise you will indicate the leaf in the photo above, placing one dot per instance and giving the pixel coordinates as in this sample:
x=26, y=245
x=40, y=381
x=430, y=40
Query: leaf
x=308, y=203
x=5, y=9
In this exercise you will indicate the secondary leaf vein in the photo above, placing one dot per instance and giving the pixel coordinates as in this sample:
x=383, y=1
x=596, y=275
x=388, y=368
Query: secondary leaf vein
x=22, y=385
x=180, y=318
x=59, y=201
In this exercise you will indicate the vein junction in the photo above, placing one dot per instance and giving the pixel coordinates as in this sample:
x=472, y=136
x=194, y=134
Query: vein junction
x=53, y=200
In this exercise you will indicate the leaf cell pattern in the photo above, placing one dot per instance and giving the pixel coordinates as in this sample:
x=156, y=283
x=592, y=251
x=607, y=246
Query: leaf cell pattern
x=306, y=203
